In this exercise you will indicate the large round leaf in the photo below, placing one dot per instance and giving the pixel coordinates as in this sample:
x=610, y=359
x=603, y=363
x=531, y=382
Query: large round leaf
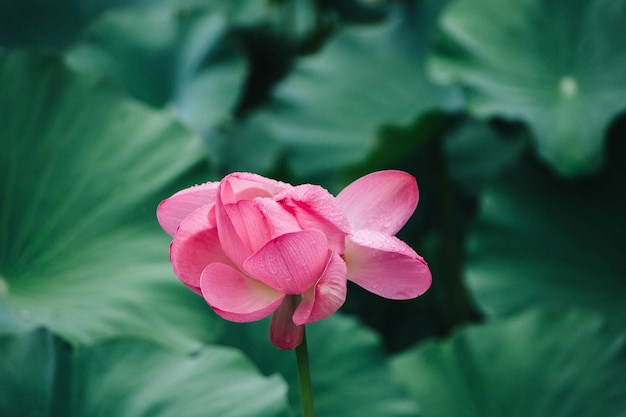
x=555, y=64
x=83, y=169
x=167, y=57
x=327, y=111
x=350, y=374
x=41, y=376
x=187, y=60
x=545, y=363
x=539, y=239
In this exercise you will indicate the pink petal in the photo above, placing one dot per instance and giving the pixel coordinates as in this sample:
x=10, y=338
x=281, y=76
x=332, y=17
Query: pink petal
x=249, y=224
x=246, y=186
x=316, y=208
x=279, y=221
x=236, y=297
x=195, y=245
x=232, y=244
x=284, y=333
x=386, y=266
x=173, y=210
x=326, y=296
x=239, y=239
x=382, y=201
x=291, y=263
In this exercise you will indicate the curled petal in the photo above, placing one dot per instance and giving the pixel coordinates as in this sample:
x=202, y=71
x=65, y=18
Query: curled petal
x=316, y=208
x=195, y=245
x=291, y=263
x=246, y=186
x=279, y=221
x=382, y=201
x=386, y=266
x=233, y=245
x=249, y=224
x=172, y=211
x=326, y=296
x=236, y=297
x=284, y=333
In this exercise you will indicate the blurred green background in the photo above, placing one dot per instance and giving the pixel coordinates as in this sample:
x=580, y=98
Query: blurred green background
x=511, y=114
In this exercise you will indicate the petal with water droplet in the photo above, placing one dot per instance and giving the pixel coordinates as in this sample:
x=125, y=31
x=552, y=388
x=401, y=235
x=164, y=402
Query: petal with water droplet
x=315, y=208
x=172, y=211
x=236, y=297
x=386, y=266
x=326, y=296
x=291, y=263
x=246, y=186
x=249, y=223
x=279, y=221
x=195, y=245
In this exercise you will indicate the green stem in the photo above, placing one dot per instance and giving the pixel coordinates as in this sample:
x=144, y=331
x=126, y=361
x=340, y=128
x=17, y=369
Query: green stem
x=304, y=378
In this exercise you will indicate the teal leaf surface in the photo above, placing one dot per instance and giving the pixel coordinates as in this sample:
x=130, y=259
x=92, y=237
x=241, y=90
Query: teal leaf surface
x=555, y=64
x=57, y=24
x=42, y=376
x=543, y=363
x=539, y=239
x=83, y=170
x=326, y=113
x=167, y=57
x=476, y=152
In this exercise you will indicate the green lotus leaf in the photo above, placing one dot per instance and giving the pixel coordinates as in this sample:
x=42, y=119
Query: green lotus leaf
x=42, y=376
x=58, y=24
x=555, y=64
x=243, y=146
x=167, y=57
x=540, y=239
x=476, y=152
x=349, y=372
x=186, y=60
x=545, y=362
x=327, y=111
x=83, y=169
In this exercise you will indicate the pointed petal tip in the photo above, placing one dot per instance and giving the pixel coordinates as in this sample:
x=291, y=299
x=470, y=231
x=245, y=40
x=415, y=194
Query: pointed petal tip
x=173, y=210
x=287, y=343
x=386, y=266
x=284, y=333
x=382, y=201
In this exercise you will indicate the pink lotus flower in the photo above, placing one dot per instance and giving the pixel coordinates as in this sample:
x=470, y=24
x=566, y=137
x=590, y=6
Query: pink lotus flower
x=252, y=246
